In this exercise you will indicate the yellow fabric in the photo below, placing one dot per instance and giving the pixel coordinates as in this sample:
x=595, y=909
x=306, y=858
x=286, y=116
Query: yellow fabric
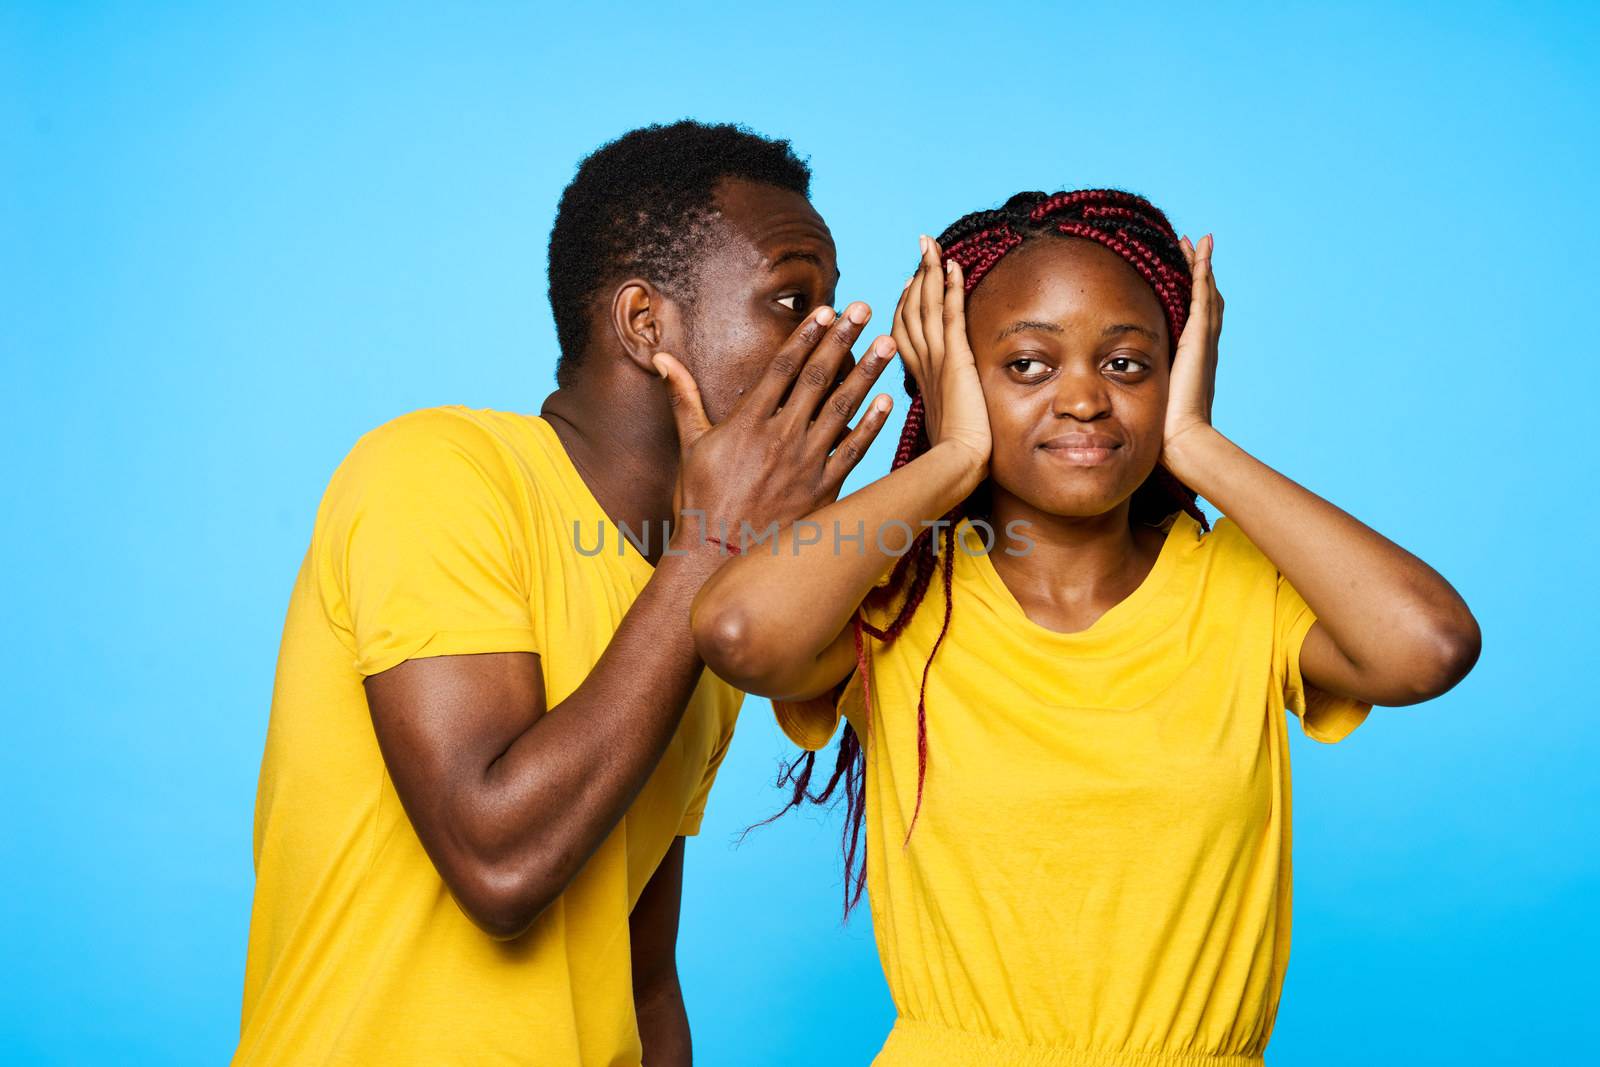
x=1100, y=874
x=447, y=531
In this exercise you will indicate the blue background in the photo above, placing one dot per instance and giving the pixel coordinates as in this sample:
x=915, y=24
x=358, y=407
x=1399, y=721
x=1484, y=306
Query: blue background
x=231, y=242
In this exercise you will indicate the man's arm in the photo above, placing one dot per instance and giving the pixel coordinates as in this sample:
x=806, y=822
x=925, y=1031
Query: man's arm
x=510, y=799
x=657, y=997
x=482, y=767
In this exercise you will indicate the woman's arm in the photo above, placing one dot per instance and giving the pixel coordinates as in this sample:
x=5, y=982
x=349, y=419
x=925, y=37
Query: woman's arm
x=1389, y=629
x=773, y=620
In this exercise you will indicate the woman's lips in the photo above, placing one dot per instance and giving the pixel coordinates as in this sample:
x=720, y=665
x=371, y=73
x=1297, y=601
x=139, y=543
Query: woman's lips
x=1082, y=449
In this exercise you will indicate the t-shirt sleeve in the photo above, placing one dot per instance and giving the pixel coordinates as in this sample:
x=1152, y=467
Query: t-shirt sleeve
x=1326, y=717
x=689, y=826
x=418, y=539
x=812, y=723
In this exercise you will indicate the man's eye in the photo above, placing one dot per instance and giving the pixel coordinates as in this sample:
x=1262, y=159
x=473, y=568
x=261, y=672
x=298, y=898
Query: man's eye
x=1026, y=365
x=798, y=304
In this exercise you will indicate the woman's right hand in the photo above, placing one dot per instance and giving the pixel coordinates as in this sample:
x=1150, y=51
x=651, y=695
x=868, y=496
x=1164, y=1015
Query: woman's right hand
x=930, y=329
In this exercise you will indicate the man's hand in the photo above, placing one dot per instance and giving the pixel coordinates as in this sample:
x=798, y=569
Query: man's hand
x=787, y=446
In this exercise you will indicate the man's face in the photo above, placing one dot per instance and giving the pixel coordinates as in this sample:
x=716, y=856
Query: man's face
x=773, y=264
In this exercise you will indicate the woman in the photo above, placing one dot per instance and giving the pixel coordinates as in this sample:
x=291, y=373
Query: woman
x=1072, y=747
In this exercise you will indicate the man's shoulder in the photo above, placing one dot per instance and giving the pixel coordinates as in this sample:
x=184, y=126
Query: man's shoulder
x=443, y=457
x=445, y=426
x=445, y=440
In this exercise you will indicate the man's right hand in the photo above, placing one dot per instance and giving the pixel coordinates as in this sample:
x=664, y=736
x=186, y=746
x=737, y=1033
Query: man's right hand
x=767, y=463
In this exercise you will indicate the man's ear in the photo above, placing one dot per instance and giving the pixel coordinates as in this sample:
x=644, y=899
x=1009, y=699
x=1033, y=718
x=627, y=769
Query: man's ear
x=645, y=322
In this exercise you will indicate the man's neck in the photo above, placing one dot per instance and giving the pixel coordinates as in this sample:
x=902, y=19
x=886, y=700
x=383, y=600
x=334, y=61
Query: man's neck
x=625, y=448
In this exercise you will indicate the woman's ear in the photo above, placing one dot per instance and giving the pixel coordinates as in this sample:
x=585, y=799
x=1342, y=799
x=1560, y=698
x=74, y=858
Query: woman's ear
x=644, y=321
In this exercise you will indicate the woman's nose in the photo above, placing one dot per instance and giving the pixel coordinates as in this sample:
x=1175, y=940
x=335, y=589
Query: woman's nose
x=1081, y=395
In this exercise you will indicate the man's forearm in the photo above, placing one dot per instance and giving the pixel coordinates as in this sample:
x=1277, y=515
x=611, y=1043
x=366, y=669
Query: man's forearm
x=551, y=798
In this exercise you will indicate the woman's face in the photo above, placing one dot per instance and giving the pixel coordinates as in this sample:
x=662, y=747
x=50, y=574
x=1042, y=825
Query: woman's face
x=1071, y=348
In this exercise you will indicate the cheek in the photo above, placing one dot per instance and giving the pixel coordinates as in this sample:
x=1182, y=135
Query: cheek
x=730, y=343
x=1014, y=419
x=1143, y=413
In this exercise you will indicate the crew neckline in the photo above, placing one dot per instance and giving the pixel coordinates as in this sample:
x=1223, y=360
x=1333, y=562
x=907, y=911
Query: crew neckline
x=1115, y=620
x=630, y=557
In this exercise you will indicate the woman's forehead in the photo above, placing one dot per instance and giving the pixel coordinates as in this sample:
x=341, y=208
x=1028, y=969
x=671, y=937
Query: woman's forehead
x=1069, y=282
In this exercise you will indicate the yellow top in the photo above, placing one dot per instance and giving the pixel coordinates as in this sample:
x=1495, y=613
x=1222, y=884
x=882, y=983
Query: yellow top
x=1100, y=874
x=447, y=531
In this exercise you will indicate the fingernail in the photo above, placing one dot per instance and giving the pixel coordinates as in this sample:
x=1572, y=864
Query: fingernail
x=858, y=313
x=922, y=244
x=883, y=347
x=949, y=266
x=881, y=404
x=661, y=368
x=825, y=315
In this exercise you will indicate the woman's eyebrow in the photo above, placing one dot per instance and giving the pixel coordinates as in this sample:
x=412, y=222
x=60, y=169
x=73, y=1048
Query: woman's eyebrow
x=1130, y=327
x=1023, y=325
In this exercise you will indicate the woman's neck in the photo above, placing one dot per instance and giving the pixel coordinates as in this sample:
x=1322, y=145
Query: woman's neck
x=1078, y=566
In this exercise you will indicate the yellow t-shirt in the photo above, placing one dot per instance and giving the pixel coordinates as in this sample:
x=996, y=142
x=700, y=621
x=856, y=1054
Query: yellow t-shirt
x=1101, y=871
x=446, y=531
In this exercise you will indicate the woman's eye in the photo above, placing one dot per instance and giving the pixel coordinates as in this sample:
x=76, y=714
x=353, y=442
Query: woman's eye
x=798, y=302
x=1125, y=365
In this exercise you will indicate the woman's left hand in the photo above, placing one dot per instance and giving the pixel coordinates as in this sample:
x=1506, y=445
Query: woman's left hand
x=1193, y=383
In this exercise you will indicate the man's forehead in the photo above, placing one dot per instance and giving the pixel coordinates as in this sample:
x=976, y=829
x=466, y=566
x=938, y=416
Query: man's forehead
x=774, y=223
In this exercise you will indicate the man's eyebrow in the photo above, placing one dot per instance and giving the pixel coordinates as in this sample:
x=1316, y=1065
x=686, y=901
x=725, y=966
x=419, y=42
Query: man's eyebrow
x=1022, y=325
x=795, y=253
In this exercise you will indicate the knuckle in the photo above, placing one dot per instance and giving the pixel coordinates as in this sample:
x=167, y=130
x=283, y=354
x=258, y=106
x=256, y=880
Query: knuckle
x=784, y=365
x=842, y=404
x=816, y=377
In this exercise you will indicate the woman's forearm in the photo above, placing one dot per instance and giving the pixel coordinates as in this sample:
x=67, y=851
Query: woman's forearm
x=765, y=619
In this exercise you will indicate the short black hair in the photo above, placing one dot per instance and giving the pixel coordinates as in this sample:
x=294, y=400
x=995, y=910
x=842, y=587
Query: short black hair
x=642, y=205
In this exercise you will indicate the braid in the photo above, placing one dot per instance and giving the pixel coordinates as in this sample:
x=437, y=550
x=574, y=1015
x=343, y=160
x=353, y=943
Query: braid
x=1134, y=229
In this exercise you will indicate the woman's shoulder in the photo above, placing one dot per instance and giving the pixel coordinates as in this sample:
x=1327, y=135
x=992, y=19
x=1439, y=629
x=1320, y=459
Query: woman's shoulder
x=1228, y=544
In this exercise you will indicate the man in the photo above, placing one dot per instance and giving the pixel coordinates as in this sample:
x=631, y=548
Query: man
x=488, y=741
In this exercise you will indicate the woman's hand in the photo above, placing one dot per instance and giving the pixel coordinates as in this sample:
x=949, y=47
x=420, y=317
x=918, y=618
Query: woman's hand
x=930, y=328
x=1194, y=368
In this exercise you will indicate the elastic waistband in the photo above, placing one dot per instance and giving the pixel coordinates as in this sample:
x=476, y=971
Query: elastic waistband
x=915, y=1042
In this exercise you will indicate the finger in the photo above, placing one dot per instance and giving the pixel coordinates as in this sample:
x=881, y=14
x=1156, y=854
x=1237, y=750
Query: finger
x=821, y=370
x=1216, y=296
x=914, y=332
x=933, y=302
x=902, y=336
x=1200, y=304
x=683, y=396
x=845, y=400
x=856, y=442
x=762, y=400
x=955, y=308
